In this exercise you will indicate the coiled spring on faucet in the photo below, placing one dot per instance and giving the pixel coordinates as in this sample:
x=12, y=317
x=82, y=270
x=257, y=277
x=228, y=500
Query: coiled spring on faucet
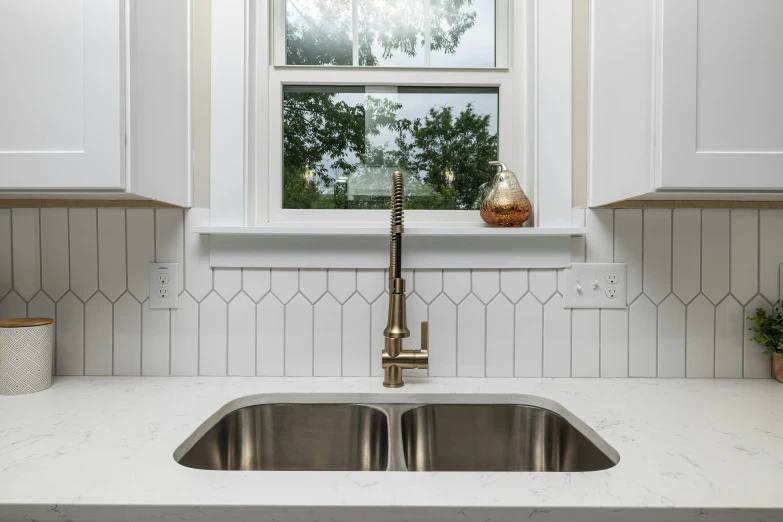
x=397, y=228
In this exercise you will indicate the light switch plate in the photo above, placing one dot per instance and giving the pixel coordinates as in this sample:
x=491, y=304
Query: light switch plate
x=164, y=283
x=595, y=285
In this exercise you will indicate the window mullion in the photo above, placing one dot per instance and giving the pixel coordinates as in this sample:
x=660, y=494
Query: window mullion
x=355, y=26
x=427, y=32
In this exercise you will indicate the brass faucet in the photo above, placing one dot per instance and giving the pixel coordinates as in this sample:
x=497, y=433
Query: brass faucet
x=394, y=358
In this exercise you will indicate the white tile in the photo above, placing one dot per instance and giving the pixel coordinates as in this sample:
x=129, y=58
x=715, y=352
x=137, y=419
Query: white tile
x=543, y=283
x=6, y=261
x=628, y=248
x=327, y=347
x=155, y=325
x=26, y=251
x=242, y=336
x=141, y=250
x=600, y=239
x=212, y=330
x=111, y=252
x=170, y=240
x=198, y=274
x=456, y=284
x=614, y=343
x=671, y=338
x=342, y=283
x=729, y=339
x=298, y=337
x=270, y=345
x=578, y=244
x=227, y=281
x=585, y=343
x=770, y=253
x=686, y=253
x=256, y=282
x=42, y=306
x=500, y=338
x=379, y=316
x=642, y=338
x=485, y=284
x=356, y=337
x=83, y=237
x=657, y=254
x=98, y=336
x=744, y=263
x=370, y=283
x=285, y=283
x=70, y=336
x=55, y=276
x=443, y=338
x=715, y=254
x=700, y=339
x=429, y=283
x=528, y=337
x=557, y=339
x=312, y=283
x=410, y=280
x=470, y=337
x=184, y=337
x=560, y=275
x=12, y=307
x=127, y=336
x=513, y=284
x=417, y=312
x=756, y=365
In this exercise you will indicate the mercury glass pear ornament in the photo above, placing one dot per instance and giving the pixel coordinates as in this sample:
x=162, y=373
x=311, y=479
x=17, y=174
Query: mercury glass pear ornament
x=506, y=205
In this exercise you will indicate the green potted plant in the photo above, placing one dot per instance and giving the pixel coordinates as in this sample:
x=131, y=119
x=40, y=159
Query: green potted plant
x=768, y=328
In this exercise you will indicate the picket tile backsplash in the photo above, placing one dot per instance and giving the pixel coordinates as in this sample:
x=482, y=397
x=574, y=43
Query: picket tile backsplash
x=693, y=275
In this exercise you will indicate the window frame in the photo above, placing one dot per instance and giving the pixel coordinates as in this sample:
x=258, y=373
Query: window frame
x=246, y=112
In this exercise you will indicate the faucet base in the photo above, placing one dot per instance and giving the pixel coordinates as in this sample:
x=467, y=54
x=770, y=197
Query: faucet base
x=392, y=385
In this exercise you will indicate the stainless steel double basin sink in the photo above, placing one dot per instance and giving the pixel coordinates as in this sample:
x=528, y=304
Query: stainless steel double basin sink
x=396, y=437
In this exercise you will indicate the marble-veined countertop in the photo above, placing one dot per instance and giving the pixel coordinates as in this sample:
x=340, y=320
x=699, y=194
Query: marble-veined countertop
x=101, y=449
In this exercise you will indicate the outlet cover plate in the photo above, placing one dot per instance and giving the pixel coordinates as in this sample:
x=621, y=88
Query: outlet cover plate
x=589, y=285
x=164, y=282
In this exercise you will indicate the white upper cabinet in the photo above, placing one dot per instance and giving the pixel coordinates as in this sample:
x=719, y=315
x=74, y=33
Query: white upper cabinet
x=685, y=98
x=60, y=96
x=94, y=98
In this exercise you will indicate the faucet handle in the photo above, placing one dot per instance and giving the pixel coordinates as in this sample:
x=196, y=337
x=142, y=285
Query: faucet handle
x=425, y=336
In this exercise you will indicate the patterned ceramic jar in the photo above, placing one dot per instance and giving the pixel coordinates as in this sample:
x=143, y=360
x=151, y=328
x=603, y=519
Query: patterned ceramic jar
x=25, y=355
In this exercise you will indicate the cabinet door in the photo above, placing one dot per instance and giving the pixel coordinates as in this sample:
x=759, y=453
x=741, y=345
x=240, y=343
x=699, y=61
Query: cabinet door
x=61, y=110
x=721, y=95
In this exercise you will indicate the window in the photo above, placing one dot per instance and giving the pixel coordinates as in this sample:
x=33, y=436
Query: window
x=408, y=33
x=356, y=89
x=341, y=145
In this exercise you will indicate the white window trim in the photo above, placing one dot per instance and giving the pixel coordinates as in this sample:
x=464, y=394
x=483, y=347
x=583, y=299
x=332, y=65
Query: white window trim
x=534, y=105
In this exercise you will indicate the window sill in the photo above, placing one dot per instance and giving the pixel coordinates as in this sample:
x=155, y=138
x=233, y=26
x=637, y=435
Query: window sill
x=425, y=246
x=379, y=229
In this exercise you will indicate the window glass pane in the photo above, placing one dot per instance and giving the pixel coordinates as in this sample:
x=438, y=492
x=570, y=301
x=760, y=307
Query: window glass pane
x=319, y=32
x=341, y=145
x=391, y=32
x=463, y=33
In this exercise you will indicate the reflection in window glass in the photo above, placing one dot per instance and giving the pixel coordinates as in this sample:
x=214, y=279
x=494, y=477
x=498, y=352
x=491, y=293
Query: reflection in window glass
x=341, y=145
x=319, y=32
x=463, y=33
x=391, y=32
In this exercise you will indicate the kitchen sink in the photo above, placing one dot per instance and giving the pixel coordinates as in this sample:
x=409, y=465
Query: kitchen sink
x=456, y=437
x=295, y=437
x=495, y=437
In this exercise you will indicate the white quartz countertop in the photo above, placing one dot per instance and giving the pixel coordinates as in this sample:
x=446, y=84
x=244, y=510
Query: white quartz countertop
x=102, y=449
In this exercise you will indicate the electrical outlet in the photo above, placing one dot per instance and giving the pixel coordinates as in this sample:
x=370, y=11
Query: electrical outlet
x=595, y=285
x=163, y=285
